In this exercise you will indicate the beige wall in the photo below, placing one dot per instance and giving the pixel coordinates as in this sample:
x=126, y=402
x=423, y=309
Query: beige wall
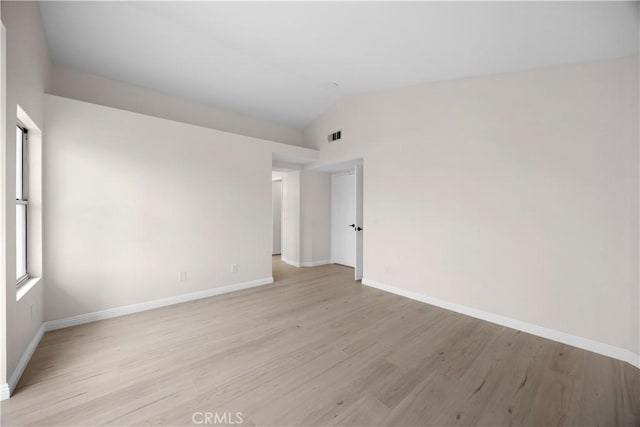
x=132, y=200
x=315, y=226
x=291, y=217
x=515, y=194
x=27, y=68
x=82, y=86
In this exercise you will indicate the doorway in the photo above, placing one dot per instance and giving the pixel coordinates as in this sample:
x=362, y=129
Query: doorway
x=347, y=229
x=343, y=217
x=276, y=191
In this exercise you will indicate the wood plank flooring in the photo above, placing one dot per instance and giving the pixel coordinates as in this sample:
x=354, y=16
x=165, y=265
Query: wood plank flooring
x=315, y=348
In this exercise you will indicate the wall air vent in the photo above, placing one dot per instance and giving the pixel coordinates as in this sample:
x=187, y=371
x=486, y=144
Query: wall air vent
x=335, y=137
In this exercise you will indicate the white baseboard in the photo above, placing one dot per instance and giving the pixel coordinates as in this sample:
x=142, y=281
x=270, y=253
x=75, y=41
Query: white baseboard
x=150, y=305
x=552, y=334
x=306, y=263
x=7, y=388
x=5, y=392
x=315, y=263
x=290, y=262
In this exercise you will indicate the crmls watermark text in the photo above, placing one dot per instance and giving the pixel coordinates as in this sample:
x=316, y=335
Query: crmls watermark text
x=217, y=418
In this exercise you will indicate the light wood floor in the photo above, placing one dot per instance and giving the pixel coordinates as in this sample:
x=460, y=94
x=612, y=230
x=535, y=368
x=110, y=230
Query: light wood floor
x=316, y=348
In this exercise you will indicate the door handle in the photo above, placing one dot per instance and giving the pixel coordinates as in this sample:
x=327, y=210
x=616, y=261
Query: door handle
x=359, y=229
x=351, y=225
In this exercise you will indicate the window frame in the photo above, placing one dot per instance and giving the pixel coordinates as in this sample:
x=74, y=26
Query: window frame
x=24, y=200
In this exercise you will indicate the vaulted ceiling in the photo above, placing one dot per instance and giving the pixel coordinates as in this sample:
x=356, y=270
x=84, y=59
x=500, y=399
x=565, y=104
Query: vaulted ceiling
x=289, y=62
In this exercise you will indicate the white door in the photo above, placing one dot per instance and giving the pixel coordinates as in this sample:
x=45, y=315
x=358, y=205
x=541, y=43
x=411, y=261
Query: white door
x=359, y=230
x=343, y=219
x=277, y=217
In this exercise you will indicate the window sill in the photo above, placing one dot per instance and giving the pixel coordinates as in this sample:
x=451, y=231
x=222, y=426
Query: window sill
x=26, y=287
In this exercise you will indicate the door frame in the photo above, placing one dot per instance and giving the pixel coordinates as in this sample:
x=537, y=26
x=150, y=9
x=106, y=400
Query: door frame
x=343, y=224
x=358, y=166
x=359, y=229
x=281, y=181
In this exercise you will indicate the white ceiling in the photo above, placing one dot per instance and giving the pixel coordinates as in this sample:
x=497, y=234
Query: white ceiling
x=277, y=61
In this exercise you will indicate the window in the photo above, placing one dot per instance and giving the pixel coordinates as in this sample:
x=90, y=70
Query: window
x=22, y=204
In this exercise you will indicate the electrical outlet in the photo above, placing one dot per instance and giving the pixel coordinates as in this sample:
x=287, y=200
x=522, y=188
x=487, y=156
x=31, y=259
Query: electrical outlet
x=182, y=276
x=234, y=268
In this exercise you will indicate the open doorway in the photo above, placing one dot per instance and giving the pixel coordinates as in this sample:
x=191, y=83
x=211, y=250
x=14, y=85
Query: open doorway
x=315, y=230
x=277, y=212
x=276, y=192
x=279, y=225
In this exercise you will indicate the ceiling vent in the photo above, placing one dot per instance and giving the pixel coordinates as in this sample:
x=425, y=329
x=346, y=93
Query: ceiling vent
x=335, y=137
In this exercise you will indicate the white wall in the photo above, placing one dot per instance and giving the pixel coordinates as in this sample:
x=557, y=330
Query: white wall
x=515, y=194
x=132, y=200
x=83, y=86
x=315, y=220
x=291, y=217
x=27, y=69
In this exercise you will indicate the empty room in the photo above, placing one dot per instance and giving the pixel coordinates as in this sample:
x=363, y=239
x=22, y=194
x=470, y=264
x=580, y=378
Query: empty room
x=319, y=213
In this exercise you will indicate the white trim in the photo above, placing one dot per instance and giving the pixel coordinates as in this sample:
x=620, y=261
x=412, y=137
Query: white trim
x=150, y=305
x=290, y=262
x=346, y=172
x=5, y=392
x=7, y=388
x=552, y=334
x=341, y=263
x=25, y=287
x=315, y=263
x=306, y=263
